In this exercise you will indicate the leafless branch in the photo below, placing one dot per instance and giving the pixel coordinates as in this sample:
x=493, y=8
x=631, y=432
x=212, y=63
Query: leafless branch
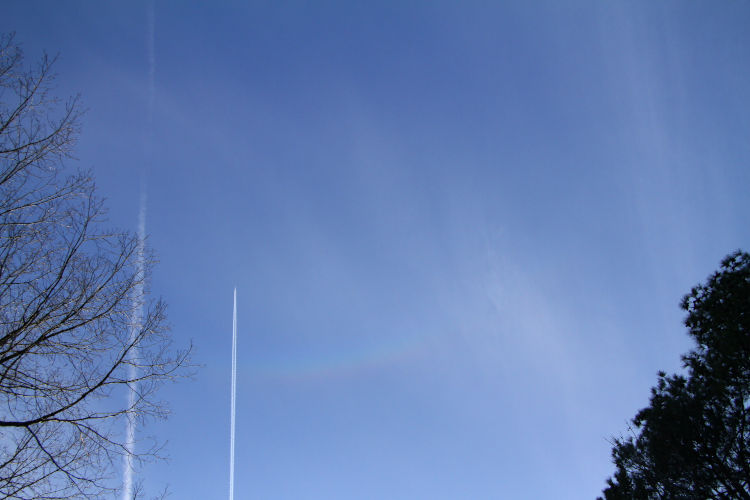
x=70, y=343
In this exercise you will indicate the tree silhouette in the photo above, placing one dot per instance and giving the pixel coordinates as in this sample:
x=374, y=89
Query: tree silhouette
x=693, y=440
x=68, y=293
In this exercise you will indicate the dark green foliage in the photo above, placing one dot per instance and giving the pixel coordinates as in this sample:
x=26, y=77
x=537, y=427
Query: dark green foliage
x=693, y=440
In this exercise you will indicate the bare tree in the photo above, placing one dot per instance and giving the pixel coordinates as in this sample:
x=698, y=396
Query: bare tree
x=69, y=289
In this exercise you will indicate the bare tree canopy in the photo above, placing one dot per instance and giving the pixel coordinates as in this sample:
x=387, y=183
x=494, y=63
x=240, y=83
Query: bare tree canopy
x=71, y=342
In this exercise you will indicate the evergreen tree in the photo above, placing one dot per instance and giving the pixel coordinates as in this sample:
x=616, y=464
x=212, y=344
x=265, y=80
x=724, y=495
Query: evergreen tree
x=693, y=440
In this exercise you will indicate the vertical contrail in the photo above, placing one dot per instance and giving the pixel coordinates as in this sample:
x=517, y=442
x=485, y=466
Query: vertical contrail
x=135, y=330
x=138, y=297
x=234, y=396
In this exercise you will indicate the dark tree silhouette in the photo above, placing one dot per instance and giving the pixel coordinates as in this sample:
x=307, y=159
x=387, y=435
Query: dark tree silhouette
x=71, y=342
x=693, y=440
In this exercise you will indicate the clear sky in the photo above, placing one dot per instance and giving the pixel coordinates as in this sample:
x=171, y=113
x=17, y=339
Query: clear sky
x=459, y=231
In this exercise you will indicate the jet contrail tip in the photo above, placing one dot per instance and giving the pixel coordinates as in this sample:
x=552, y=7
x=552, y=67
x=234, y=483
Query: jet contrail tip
x=234, y=396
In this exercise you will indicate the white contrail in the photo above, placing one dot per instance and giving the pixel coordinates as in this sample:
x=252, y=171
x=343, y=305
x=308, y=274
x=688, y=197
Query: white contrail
x=138, y=290
x=137, y=324
x=234, y=396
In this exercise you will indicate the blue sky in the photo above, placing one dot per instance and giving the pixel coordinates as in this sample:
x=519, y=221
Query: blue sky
x=459, y=231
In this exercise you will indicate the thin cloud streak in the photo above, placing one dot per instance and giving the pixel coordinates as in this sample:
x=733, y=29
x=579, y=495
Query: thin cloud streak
x=137, y=324
x=138, y=291
x=234, y=396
